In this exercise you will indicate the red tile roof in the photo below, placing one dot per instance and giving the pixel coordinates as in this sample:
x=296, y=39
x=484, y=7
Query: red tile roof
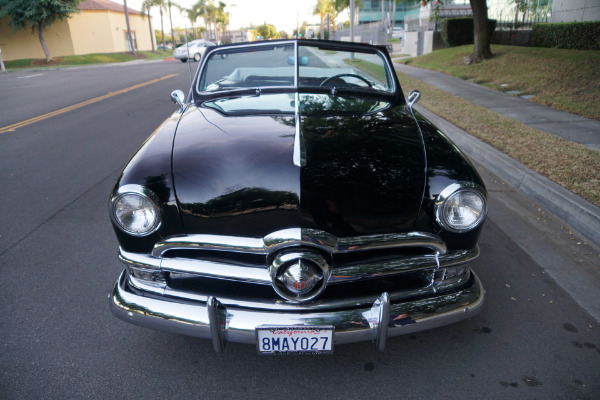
x=104, y=5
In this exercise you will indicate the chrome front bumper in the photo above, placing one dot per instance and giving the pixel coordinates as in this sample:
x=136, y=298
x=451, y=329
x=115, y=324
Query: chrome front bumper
x=211, y=320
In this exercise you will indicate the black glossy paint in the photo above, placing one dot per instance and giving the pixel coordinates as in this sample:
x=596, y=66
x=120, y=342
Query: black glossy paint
x=151, y=167
x=369, y=169
x=365, y=174
x=235, y=175
x=446, y=164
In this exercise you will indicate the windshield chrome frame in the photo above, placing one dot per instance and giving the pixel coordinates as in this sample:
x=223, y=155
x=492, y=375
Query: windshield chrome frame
x=393, y=95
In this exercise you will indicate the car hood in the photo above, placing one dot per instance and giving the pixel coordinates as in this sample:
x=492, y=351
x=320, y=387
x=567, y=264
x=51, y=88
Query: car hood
x=234, y=173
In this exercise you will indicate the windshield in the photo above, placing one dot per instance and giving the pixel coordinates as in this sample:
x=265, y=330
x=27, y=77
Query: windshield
x=274, y=65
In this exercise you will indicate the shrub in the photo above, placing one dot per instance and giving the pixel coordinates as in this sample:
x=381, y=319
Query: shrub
x=459, y=31
x=567, y=35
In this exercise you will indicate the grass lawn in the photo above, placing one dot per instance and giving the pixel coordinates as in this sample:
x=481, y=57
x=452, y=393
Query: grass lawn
x=569, y=164
x=87, y=59
x=567, y=80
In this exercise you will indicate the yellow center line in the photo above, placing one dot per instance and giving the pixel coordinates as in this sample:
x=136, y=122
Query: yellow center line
x=21, y=124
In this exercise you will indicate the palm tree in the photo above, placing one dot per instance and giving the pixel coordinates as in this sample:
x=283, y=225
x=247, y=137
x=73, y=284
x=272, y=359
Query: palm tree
x=161, y=7
x=128, y=28
x=222, y=18
x=169, y=4
x=146, y=7
x=211, y=15
x=201, y=4
x=192, y=14
x=323, y=8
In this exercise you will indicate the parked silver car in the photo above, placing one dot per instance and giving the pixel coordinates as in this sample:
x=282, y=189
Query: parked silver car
x=193, y=50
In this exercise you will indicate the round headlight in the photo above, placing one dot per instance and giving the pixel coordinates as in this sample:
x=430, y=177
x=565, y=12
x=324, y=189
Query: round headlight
x=135, y=213
x=460, y=207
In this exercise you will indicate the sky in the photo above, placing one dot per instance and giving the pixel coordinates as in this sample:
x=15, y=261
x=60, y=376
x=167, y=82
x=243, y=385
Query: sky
x=242, y=13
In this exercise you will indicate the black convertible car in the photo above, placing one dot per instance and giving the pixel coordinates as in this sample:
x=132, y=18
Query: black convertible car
x=296, y=201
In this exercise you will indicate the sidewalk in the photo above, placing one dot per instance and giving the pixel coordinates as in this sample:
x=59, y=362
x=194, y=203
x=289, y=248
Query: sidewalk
x=577, y=213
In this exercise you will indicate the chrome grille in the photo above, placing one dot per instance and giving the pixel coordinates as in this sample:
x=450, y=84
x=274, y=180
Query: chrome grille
x=194, y=266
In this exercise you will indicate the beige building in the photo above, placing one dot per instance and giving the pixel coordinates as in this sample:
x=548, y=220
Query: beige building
x=99, y=27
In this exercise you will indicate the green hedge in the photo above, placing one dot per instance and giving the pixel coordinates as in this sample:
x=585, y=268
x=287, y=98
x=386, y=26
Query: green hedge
x=567, y=35
x=459, y=31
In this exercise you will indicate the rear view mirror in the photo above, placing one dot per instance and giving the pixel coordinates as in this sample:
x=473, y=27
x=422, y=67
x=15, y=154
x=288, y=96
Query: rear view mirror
x=302, y=60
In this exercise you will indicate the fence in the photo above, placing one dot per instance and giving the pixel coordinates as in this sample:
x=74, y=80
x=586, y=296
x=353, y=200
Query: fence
x=505, y=19
x=509, y=23
x=374, y=32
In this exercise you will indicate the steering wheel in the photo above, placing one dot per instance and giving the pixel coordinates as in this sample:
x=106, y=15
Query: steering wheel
x=362, y=78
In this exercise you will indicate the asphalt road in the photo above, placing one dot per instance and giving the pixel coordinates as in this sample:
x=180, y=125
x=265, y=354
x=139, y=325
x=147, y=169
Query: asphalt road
x=58, y=261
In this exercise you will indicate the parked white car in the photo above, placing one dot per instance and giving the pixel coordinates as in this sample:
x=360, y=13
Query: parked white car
x=193, y=50
x=397, y=32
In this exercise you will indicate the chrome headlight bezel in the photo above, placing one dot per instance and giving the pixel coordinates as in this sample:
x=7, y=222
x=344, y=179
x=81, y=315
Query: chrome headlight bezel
x=456, y=189
x=144, y=193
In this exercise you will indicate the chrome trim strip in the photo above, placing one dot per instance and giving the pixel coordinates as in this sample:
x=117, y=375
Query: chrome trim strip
x=388, y=241
x=210, y=269
x=209, y=242
x=317, y=304
x=278, y=304
x=148, y=286
x=138, y=260
x=351, y=325
x=260, y=275
x=299, y=156
x=381, y=269
x=300, y=237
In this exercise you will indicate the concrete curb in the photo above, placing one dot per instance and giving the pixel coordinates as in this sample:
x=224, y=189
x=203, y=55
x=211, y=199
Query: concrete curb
x=575, y=212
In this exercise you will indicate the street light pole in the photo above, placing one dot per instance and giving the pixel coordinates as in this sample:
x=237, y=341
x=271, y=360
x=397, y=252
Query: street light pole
x=352, y=20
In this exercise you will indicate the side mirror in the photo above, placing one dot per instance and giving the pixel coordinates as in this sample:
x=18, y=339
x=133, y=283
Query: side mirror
x=178, y=98
x=413, y=98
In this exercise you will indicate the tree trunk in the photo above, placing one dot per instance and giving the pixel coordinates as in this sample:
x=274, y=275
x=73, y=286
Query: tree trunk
x=206, y=33
x=150, y=27
x=128, y=28
x=162, y=28
x=524, y=11
x=40, y=29
x=322, y=33
x=481, y=33
x=171, y=22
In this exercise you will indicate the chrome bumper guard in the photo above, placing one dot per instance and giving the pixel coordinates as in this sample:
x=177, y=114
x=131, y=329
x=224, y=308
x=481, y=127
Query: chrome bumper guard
x=212, y=320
